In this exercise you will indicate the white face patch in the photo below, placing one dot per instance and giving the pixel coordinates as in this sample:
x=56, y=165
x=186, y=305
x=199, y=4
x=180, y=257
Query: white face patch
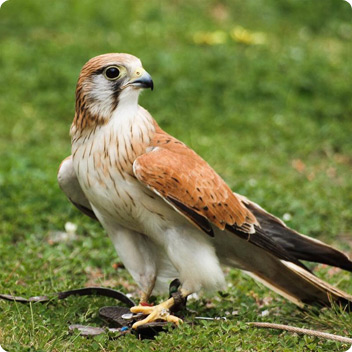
x=100, y=96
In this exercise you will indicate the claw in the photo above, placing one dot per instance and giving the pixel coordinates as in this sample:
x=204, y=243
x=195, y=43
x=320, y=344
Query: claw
x=159, y=312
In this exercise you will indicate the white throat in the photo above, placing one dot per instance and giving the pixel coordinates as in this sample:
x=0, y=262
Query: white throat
x=127, y=106
x=130, y=123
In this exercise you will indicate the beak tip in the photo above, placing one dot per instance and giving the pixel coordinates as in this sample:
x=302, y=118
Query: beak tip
x=144, y=81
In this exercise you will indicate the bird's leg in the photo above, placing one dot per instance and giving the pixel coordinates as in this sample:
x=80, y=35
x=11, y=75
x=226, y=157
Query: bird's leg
x=146, y=292
x=160, y=311
x=144, y=299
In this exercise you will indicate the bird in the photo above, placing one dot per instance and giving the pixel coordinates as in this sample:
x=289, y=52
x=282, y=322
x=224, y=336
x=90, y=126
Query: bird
x=167, y=212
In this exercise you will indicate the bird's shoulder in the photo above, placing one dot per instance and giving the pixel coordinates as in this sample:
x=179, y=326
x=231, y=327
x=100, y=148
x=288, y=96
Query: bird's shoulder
x=165, y=140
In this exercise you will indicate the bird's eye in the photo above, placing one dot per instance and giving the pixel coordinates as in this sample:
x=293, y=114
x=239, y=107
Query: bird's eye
x=112, y=73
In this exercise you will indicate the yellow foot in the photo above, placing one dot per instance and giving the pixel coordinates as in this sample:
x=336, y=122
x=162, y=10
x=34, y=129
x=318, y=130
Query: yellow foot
x=159, y=312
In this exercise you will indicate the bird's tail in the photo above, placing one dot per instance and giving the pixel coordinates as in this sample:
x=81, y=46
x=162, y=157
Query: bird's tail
x=283, y=274
x=302, y=287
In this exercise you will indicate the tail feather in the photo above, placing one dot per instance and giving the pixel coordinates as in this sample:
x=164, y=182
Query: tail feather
x=300, y=246
x=288, y=278
x=302, y=287
x=323, y=286
x=274, y=287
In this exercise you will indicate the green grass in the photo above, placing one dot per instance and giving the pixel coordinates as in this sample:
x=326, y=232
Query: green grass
x=274, y=119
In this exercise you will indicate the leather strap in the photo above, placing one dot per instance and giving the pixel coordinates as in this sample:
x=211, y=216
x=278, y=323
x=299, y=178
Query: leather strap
x=86, y=291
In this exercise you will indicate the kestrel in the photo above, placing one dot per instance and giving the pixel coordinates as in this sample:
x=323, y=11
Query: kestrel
x=167, y=212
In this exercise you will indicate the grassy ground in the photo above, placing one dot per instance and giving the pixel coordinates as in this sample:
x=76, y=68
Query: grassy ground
x=259, y=88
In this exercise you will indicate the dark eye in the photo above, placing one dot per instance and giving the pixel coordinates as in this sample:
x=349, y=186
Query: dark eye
x=112, y=73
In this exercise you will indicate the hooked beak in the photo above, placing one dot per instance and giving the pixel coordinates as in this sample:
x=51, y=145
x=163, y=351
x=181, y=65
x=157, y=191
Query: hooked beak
x=142, y=79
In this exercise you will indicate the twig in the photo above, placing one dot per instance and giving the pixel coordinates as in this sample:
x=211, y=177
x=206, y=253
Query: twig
x=297, y=330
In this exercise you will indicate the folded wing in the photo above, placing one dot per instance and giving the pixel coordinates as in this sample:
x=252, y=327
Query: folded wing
x=69, y=184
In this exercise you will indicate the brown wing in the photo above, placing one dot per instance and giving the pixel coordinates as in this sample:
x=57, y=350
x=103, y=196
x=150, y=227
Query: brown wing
x=186, y=181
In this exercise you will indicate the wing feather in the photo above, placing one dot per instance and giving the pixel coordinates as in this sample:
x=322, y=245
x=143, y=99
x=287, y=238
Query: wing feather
x=184, y=179
x=300, y=246
x=69, y=184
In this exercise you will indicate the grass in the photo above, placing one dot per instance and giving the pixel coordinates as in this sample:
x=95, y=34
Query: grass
x=274, y=119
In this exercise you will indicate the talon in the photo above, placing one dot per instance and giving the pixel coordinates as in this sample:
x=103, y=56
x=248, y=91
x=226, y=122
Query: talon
x=158, y=312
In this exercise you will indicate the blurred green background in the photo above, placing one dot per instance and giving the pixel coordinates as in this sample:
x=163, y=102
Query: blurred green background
x=260, y=89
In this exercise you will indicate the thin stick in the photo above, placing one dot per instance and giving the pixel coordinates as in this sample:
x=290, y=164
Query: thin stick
x=297, y=330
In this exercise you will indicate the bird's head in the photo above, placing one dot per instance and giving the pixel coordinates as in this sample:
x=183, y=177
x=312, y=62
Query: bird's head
x=106, y=82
